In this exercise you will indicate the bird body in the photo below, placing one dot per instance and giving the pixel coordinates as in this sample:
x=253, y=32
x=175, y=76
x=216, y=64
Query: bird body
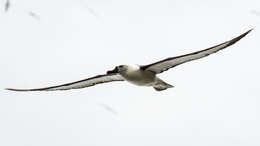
x=134, y=75
x=137, y=76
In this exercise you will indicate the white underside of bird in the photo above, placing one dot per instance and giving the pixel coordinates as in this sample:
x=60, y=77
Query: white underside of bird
x=135, y=75
x=141, y=75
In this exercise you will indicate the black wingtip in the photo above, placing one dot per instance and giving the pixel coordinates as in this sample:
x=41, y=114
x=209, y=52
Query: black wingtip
x=239, y=37
x=249, y=31
x=12, y=89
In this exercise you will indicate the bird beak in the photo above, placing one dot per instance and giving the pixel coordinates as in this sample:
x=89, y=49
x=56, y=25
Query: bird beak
x=113, y=71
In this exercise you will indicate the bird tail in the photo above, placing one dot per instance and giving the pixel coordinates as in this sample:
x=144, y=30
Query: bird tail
x=161, y=85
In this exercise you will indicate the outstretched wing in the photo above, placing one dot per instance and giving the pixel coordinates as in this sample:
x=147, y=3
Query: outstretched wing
x=78, y=84
x=163, y=65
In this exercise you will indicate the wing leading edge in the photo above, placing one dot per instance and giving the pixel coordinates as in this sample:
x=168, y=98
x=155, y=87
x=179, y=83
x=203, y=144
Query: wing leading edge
x=163, y=65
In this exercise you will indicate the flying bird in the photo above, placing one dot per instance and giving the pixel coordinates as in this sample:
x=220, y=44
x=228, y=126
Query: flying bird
x=108, y=108
x=34, y=15
x=141, y=75
x=7, y=5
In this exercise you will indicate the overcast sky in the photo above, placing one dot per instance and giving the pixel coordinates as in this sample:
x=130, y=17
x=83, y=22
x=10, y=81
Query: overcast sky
x=215, y=100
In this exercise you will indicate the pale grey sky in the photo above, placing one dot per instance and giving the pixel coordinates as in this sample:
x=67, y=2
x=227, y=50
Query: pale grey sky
x=215, y=100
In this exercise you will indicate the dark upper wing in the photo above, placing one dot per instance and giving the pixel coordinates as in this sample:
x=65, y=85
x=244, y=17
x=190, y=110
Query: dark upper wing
x=79, y=84
x=163, y=65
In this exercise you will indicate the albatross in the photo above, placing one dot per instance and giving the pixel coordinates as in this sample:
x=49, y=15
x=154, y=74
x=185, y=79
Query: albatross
x=141, y=75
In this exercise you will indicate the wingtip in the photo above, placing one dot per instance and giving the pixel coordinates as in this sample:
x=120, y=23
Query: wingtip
x=12, y=89
x=231, y=42
x=250, y=30
x=244, y=34
x=247, y=32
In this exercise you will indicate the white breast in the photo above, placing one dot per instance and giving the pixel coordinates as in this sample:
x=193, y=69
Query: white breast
x=135, y=75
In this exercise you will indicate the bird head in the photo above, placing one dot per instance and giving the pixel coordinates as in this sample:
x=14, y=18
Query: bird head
x=118, y=69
